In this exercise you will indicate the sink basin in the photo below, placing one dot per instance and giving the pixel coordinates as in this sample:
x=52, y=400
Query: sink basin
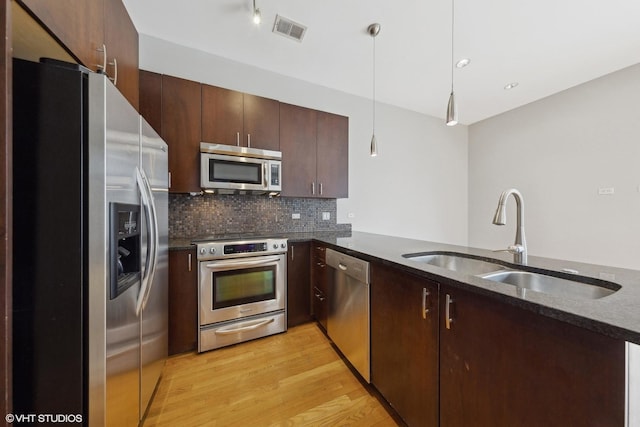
x=526, y=280
x=455, y=262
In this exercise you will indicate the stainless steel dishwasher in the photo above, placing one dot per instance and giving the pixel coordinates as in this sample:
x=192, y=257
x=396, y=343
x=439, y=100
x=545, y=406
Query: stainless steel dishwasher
x=348, y=319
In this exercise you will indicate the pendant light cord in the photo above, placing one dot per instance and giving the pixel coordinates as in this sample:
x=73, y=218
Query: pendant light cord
x=452, y=32
x=374, y=85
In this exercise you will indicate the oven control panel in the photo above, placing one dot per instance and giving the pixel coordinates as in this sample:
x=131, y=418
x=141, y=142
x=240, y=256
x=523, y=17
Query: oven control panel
x=240, y=248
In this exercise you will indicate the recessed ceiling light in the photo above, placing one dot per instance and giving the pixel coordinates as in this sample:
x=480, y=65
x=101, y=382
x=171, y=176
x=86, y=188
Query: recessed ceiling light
x=463, y=63
x=511, y=85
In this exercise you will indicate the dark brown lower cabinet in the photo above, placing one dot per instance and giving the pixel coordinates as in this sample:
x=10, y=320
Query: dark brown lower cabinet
x=183, y=301
x=404, y=343
x=505, y=366
x=298, y=287
x=319, y=284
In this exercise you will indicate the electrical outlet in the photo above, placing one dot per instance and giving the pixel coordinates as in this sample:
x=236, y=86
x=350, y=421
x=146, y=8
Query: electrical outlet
x=326, y=216
x=295, y=216
x=606, y=191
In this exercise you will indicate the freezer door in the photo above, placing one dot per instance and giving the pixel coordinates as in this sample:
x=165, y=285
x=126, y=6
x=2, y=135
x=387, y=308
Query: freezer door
x=154, y=315
x=122, y=142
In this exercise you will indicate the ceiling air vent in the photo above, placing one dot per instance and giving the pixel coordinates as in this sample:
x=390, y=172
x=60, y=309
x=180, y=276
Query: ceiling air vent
x=288, y=28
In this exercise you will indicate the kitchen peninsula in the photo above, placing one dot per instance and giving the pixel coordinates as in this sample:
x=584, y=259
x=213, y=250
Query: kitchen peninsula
x=495, y=341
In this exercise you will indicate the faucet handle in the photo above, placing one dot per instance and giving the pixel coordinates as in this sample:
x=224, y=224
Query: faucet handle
x=512, y=249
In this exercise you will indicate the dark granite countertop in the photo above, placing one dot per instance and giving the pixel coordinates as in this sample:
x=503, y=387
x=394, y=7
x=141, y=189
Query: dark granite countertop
x=616, y=315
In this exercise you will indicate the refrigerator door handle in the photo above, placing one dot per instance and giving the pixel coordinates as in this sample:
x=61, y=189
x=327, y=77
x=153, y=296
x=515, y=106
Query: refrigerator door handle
x=141, y=179
x=154, y=237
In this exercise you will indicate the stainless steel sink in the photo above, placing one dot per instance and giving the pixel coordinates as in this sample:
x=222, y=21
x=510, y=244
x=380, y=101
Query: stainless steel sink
x=526, y=280
x=455, y=262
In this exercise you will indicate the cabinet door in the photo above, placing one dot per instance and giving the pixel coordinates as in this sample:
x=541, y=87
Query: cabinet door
x=261, y=122
x=121, y=39
x=181, y=131
x=222, y=116
x=319, y=285
x=504, y=366
x=151, y=99
x=78, y=24
x=333, y=155
x=298, y=288
x=404, y=343
x=298, y=146
x=183, y=301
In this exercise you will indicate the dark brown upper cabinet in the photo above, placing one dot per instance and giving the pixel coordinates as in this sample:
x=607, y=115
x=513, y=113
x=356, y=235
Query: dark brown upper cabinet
x=181, y=130
x=315, y=153
x=77, y=24
x=151, y=99
x=89, y=28
x=332, y=155
x=236, y=118
x=121, y=40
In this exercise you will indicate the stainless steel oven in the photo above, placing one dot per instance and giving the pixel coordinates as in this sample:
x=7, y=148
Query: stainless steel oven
x=242, y=291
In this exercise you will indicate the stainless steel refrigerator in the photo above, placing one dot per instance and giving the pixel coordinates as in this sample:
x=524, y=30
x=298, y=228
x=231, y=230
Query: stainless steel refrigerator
x=90, y=248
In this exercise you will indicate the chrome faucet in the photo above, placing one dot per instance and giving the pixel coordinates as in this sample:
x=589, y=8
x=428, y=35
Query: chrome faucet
x=519, y=248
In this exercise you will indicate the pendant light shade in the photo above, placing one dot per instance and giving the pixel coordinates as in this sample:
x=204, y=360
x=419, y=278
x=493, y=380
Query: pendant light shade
x=452, y=111
x=257, y=16
x=452, y=107
x=374, y=146
x=374, y=30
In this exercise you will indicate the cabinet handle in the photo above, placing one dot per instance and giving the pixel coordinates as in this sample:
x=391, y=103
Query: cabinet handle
x=318, y=294
x=238, y=139
x=313, y=188
x=249, y=140
x=425, y=310
x=447, y=311
x=169, y=179
x=292, y=252
x=189, y=261
x=114, y=79
x=103, y=67
x=321, y=189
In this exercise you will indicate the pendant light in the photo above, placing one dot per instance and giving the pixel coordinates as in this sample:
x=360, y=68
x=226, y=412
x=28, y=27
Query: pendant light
x=257, y=16
x=452, y=108
x=373, y=30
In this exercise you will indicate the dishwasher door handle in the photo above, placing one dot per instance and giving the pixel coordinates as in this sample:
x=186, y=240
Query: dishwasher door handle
x=342, y=267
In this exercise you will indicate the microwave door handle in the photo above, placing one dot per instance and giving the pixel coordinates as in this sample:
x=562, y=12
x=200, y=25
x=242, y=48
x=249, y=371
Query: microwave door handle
x=265, y=177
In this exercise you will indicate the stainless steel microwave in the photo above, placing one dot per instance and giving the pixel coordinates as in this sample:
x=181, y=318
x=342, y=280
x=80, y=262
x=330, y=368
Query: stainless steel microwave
x=227, y=169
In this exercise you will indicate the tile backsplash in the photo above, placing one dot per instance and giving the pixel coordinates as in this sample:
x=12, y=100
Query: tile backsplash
x=204, y=215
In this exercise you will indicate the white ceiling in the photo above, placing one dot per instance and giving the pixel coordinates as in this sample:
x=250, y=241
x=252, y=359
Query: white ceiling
x=544, y=45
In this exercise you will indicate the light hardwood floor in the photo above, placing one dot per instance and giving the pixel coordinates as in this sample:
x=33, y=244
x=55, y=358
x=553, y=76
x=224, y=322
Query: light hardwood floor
x=290, y=379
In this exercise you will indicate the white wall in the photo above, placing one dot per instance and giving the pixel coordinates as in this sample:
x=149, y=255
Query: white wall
x=558, y=152
x=416, y=187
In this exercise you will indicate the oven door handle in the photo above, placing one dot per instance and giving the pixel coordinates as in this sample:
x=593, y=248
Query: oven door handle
x=232, y=330
x=228, y=265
